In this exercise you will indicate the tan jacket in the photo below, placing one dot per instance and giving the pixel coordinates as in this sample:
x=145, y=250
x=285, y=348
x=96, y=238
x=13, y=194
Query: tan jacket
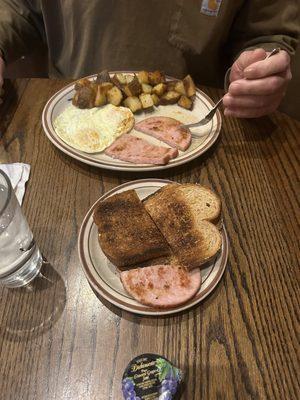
x=176, y=36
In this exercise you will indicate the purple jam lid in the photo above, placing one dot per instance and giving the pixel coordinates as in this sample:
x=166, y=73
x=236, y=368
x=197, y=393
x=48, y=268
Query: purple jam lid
x=150, y=377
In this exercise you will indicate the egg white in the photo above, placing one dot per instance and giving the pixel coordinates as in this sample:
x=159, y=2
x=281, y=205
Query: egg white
x=92, y=130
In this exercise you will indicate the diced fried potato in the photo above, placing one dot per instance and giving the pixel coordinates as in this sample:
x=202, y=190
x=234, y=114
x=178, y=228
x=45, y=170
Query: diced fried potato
x=100, y=99
x=81, y=83
x=146, y=88
x=129, y=78
x=185, y=102
x=121, y=78
x=118, y=80
x=133, y=103
x=114, y=96
x=106, y=86
x=160, y=89
x=179, y=87
x=155, y=99
x=156, y=77
x=189, y=86
x=143, y=77
x=103, y=77
x=84, y=97
x=133, y=88
x=171, y=85
x=170, y=97
x=146, y=100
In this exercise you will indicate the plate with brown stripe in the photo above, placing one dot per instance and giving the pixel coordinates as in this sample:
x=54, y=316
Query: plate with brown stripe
x=103, y=276
x=202, y=104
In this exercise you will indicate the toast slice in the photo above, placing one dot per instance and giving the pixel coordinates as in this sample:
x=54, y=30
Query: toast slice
x=127, y=234
x=186, y=215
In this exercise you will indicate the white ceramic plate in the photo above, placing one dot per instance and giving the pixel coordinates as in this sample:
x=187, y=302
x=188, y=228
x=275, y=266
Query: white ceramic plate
x=103, y=275
x=60, y=100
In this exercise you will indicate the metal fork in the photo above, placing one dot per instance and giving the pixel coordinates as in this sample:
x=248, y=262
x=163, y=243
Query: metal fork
x=212, y=112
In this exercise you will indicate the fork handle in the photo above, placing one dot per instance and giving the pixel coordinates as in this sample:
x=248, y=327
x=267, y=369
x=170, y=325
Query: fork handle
x=216, y=105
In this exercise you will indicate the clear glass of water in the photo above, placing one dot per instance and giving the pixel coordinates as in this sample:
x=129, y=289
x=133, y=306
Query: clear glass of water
x=20, y=258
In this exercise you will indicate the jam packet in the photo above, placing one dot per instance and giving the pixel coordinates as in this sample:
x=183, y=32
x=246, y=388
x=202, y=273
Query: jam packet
x=150, y=377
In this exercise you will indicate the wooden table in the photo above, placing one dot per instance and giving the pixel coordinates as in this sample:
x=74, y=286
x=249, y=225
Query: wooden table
x=59, y=341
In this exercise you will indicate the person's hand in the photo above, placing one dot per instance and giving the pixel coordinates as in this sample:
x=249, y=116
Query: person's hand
x=257, y=85
x=1, y=77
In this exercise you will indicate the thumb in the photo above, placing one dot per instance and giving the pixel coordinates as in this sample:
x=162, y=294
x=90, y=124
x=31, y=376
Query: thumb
x=244, y=60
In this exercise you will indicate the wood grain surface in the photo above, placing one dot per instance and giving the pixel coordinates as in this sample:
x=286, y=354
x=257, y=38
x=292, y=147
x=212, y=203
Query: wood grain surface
x=59, y=341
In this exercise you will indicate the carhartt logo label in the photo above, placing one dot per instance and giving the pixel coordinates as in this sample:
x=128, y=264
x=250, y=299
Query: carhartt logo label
x=211, y=7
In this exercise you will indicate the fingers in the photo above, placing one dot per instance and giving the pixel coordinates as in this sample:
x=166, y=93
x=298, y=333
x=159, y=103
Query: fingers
x=257, y=84
x=271, y=66
x=259, y=87
x=250, y=112
x=236, y=102
x=249, y=57
x=251, y=106
x=244, y=60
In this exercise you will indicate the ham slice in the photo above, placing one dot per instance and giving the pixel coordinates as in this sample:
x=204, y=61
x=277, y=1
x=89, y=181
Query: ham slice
x=139, y=151
x=166, y=129
x=162, y=286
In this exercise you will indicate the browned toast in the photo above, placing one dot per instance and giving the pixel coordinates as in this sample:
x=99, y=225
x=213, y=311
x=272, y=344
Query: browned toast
x=186, y=215
x=127, y=234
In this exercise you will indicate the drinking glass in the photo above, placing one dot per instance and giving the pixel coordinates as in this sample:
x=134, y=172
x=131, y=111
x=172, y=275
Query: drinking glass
x=20, y=257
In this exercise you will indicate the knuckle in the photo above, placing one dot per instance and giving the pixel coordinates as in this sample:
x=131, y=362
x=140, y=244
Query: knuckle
x=227, y=100
x=274, y=84
x=286, y=58
x=234, y=88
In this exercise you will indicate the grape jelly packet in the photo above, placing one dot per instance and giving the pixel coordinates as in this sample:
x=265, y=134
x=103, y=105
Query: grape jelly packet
x=150, y=377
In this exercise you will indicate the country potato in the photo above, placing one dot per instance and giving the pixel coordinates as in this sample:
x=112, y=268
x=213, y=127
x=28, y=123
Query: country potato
x=155, y=99
x=160, y=89
x=133, y=88
x=185, y=102
x=100, y=98
x=189, y=86
x=179, y=87
x=82, y=82
x=143, y=77
x=84, y=97
x=103, y=77
x=146, y=100
x=106, y=86
x=114, y=96
x=133, y=103
x=170, y=97
x=146, y=88
x=156, y=77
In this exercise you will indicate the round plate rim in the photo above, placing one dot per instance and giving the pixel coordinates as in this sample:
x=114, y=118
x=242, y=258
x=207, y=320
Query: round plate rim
x=144, y=310
x=65, y=148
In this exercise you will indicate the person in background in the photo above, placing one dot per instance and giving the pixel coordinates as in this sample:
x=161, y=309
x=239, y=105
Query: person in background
x=205, y=38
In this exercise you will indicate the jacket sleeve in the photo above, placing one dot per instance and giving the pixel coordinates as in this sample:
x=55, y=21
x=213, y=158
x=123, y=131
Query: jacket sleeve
x=21, y=26
x=267, y=24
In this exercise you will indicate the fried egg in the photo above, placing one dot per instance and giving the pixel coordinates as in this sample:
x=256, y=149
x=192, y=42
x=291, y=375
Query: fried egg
x=94, y=129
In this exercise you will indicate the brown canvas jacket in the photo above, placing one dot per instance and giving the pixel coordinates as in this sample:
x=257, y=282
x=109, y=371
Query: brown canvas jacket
x=199, y=36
